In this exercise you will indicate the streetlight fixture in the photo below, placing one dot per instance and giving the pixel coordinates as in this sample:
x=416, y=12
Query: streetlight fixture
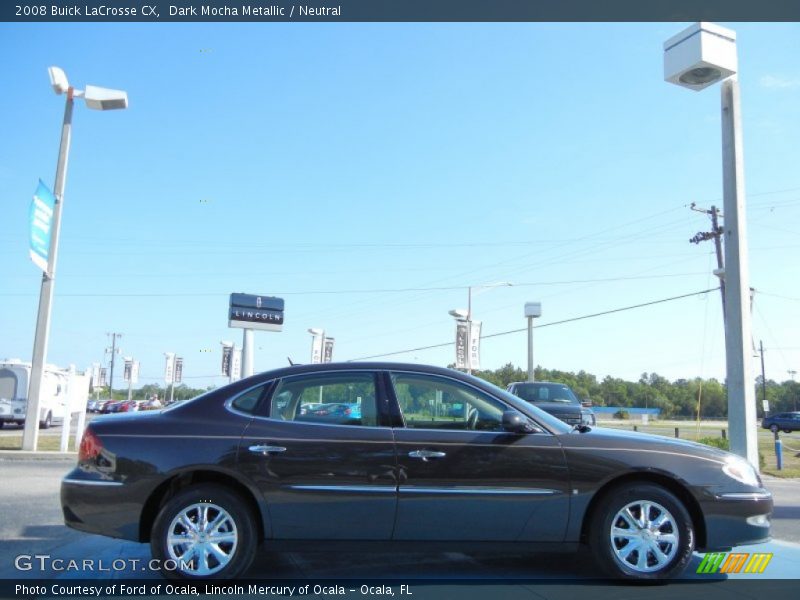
x=533, y=310
x=96, y=98
x=695, y=59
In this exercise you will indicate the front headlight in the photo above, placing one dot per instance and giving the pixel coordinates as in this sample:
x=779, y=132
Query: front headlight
x=742, y=471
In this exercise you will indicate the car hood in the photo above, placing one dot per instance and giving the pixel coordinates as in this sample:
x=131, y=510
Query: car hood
x=558, y=408
x=616, y=438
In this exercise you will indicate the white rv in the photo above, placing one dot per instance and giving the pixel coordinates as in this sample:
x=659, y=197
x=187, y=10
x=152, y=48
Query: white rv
x=63, y=391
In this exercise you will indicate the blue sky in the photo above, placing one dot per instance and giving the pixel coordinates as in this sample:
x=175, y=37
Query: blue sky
x=320, y=161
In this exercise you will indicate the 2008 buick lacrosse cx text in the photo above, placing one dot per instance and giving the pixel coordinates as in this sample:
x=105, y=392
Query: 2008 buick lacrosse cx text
x=382, y=455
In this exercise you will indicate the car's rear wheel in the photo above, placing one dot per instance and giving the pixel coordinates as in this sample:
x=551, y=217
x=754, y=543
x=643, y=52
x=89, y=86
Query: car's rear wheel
x=204, y=532
x=787, y=431
x=641, y=531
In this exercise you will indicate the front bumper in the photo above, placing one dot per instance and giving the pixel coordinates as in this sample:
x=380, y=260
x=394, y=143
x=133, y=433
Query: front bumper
x=737, y=519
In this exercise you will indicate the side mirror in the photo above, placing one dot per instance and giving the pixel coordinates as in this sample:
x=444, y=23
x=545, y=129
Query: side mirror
x=516, y=422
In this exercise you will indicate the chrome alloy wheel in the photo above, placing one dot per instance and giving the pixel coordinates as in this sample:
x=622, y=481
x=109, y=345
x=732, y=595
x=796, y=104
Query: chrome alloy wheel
x=644, y=536
x=202, y=539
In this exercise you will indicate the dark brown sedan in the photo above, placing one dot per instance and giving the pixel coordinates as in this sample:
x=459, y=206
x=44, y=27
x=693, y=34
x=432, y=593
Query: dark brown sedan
x=378, y=453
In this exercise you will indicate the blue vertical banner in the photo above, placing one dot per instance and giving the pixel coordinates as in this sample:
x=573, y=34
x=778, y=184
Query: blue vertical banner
x=41, y=220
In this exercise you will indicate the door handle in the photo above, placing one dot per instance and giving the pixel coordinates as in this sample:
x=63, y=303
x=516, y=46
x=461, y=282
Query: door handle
x=265, y=450
x=426, y=455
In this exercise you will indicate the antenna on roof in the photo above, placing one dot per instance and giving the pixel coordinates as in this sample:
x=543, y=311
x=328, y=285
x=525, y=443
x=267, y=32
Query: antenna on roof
x=291, y=364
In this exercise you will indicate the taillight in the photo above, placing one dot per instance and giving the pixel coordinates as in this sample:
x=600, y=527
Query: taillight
x=90, y=446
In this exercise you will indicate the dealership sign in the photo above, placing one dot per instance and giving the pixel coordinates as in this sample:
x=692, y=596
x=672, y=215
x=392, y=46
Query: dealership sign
x=248, y=311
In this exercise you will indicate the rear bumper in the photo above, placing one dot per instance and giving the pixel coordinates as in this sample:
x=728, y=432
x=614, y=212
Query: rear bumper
x=737, y=519
x=99, y=506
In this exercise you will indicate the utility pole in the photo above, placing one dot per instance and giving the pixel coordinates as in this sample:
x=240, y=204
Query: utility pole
x=114, y=351
x=716, y=235
x=763, y=379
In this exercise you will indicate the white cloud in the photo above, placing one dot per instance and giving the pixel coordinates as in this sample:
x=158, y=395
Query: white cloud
x=779, y=82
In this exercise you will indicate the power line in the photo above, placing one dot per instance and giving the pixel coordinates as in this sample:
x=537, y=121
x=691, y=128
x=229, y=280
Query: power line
x=570, y=320
x=364, y=291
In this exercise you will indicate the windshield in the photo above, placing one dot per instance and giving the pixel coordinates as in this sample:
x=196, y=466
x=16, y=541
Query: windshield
x=554, y=424
x=545, y=392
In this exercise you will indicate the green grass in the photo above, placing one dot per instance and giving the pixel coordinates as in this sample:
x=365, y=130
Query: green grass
x=48, y=442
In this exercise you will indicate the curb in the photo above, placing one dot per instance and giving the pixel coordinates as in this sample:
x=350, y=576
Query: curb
x=38, y=455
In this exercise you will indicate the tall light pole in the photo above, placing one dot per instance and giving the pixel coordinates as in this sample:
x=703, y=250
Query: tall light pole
x=696, y=58
x=98, y=99
x=533, y=310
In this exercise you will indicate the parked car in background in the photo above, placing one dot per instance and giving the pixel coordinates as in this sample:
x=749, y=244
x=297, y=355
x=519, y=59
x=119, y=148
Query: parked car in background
x=434, y=456
x=556, y=398
x=786, y=422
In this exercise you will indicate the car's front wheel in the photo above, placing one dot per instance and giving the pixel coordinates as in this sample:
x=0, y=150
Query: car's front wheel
x=204, y=532
x=641, y=531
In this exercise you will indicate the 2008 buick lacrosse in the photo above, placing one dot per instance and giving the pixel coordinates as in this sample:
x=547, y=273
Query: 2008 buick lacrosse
x=381, y=453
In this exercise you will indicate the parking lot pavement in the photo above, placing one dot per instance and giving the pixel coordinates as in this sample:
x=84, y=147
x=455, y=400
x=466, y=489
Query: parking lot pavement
x=32, y=525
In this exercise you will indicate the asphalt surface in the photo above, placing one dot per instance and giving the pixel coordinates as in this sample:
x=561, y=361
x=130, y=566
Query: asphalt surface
x=31, y=524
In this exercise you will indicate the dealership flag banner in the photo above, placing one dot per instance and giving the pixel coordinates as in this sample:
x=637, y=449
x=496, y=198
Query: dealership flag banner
x=178, y=369
x=236, y=364
x=317, y=342
x=328, y=352
x=462, y=344
x=41, y=221
x=227, y=352
x=475, y=345
x=169, y=369
x=135, y=372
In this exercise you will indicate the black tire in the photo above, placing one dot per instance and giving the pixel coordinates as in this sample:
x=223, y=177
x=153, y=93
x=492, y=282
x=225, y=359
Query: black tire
x=787, y=431
x=610, y=552
x=48, y=421
x=773, y=428
x=240, y=525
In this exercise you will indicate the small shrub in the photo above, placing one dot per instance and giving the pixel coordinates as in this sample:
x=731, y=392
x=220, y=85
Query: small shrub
x=717, y=442
x=622, y=414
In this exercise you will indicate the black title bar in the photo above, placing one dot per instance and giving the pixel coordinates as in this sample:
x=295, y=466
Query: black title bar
x=400, y=10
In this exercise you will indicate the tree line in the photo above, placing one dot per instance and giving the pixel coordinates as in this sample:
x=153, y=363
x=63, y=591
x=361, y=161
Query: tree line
x=679, y=398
